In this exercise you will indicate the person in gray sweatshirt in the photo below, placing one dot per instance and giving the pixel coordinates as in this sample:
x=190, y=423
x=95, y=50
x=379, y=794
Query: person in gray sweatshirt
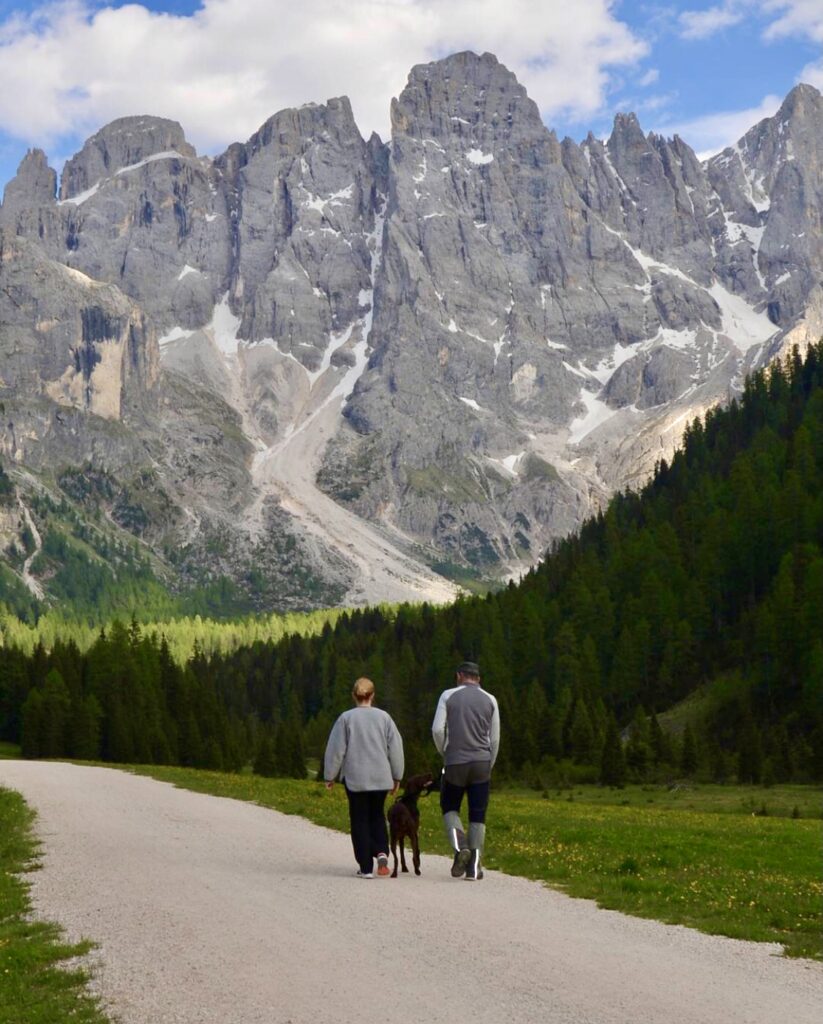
x=365, y=750
x=466, y=732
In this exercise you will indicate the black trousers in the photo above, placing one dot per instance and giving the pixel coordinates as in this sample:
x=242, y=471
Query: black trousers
x=368, y=826
x=472, y=779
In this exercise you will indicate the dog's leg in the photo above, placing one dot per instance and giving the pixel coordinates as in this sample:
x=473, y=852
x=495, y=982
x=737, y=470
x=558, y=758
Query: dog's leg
x=394, y=852
x=403, y=855
x=415, y=852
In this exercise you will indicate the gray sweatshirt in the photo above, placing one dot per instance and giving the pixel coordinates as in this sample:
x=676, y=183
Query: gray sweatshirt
x=364, y=749
x=466, y=725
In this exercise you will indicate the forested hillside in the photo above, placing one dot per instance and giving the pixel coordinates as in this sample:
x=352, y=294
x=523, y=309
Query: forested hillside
x=94, y=568
x=678, y=635
x=184, y=635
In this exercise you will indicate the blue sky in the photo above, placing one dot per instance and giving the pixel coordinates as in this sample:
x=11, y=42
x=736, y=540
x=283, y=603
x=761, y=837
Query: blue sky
x=706, y=70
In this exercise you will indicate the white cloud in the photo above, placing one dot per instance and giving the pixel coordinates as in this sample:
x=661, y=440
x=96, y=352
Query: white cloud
x=813, y=74
x=711, y=133
x=646, y=103
x=649, y=78
x=783, y=18
x=703, y=24
x=73, y=66
x=795, y=18
x=802, y=18
x=657, y=101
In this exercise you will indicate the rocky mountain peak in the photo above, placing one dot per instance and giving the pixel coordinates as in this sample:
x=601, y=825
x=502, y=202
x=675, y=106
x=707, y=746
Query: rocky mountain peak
x=121, y=144
x=804, y=100
x=301, y=198
x=792, y=134
x=291, y=132
x=770, y=187
x=634, y=156
x=29, y=206
x=627, y=135
x=466, y=95
x=35, y=182
x=293, y=127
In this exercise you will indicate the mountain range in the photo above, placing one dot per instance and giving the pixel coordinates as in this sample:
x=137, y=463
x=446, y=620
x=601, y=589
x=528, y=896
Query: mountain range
x=321, y=369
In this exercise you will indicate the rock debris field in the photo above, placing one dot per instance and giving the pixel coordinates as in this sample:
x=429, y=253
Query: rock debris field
x=213, y=911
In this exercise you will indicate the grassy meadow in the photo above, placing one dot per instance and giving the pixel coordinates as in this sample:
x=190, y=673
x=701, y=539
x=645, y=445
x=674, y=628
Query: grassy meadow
x=35, y=985
x=740, y=861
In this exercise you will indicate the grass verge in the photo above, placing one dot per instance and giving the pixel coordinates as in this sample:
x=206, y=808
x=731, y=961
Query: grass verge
x=705, y=857
x=35, y=986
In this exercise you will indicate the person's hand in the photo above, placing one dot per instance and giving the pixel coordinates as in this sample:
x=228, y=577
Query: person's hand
x=330, y=785
x=396, y=787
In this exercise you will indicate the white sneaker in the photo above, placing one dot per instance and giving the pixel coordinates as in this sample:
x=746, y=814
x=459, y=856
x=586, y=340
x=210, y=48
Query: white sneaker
x=365, y=874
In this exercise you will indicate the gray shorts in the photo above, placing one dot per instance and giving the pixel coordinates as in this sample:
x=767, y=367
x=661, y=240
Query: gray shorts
x=468, y=774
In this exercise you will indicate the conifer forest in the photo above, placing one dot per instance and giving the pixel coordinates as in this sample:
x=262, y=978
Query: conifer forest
x=679, y=634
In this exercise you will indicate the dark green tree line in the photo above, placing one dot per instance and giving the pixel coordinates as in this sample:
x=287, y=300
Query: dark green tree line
x=707, y=585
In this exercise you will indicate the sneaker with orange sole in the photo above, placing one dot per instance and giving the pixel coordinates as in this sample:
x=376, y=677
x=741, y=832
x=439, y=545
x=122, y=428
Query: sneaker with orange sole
x=382, y=864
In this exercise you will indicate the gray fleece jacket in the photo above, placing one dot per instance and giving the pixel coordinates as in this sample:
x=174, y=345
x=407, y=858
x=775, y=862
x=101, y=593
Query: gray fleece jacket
x=364, y=749
x=466, y=725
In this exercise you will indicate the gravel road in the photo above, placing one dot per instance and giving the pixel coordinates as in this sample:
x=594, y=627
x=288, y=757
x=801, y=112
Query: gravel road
x=213, y=911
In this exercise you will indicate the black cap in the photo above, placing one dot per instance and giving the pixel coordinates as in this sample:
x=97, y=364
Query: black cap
x=469, y=668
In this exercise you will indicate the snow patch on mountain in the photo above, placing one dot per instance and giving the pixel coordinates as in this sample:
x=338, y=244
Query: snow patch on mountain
x=87, y=194
x=741, y=321
x=604, y=370
x=168, y=154
x=224, y=325
x=175, y=334
x=597, y=412
x=81, y=197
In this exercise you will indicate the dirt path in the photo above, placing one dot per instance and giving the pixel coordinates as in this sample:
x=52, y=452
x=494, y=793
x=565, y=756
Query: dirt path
x=212, y=911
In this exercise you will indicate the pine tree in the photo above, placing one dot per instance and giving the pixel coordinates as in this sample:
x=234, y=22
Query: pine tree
x=316, y=733
x=720, y=763
x=750, y=753
x=56, y=711
x=661, y=744
x=212, y=755
x=84, y=728
x=638, y=749
x=581, y=735
x=612, y=761
x=688, y=753
x=297, y=760
x=31, y=738
x=264, y=762
x=531, y=727
x=567, y=660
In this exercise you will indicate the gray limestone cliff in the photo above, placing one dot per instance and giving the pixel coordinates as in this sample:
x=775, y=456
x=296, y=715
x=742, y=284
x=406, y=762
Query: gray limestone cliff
x=467, y=337
x=78, y=341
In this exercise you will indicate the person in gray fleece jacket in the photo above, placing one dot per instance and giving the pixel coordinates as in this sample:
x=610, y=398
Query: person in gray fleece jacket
x=365, y=750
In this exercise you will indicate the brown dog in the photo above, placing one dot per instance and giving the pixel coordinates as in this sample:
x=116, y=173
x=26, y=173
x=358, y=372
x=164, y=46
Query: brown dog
x=404, y=820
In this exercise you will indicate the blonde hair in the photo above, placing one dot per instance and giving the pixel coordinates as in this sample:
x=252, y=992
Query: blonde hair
x=363, y=689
